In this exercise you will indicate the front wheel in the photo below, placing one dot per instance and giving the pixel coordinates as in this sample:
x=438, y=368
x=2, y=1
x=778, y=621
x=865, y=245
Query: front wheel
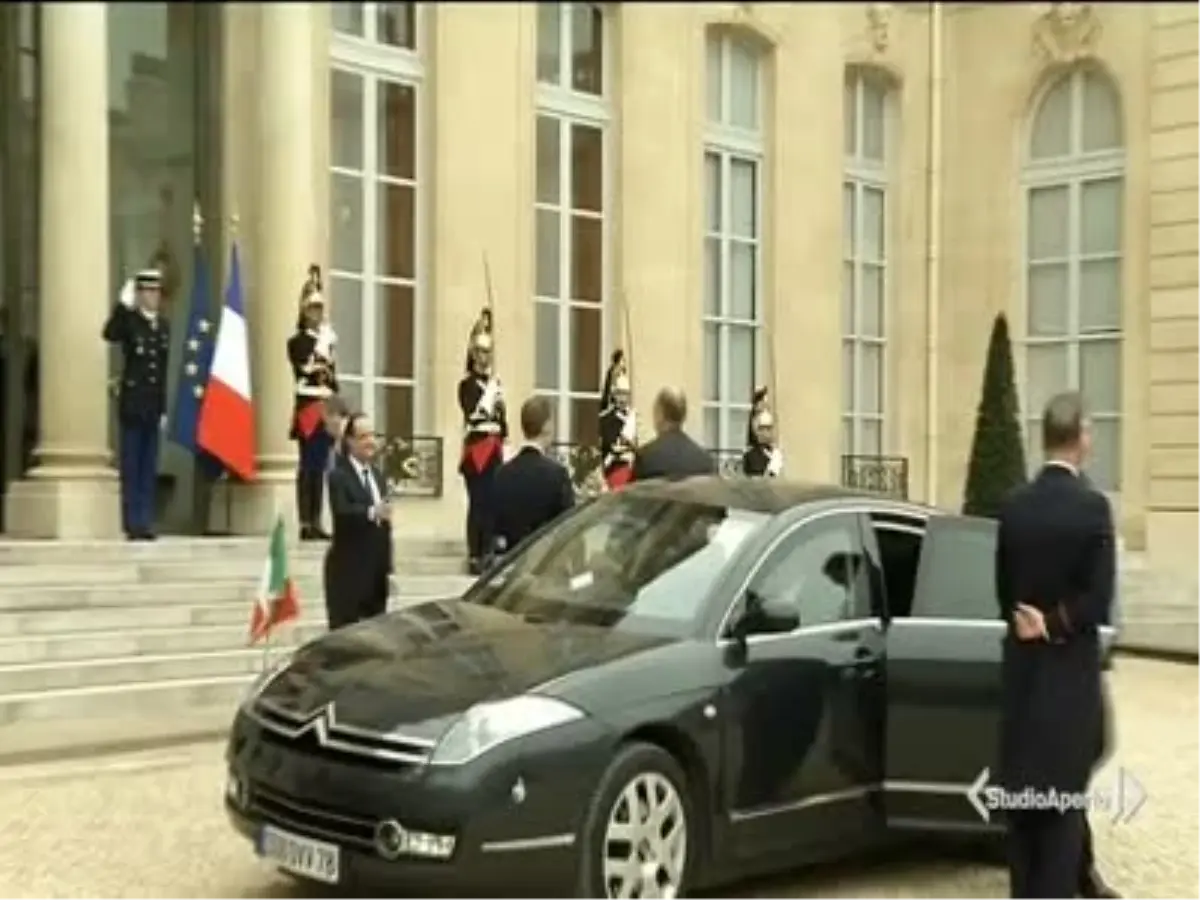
x=637, y=839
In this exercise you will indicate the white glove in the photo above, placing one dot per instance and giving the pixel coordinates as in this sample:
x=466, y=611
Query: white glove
x=775, y=464
x=127, y=295
x=491, y=396
x=629, y=428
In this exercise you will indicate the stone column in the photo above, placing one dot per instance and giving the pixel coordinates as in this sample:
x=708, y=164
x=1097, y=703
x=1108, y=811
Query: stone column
x=284, y=244
x=72, y=491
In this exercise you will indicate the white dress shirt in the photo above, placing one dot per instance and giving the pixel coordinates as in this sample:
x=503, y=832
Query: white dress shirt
x=368, y=477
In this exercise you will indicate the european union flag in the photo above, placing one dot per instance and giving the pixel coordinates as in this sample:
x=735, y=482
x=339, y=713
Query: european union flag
x=195, y=362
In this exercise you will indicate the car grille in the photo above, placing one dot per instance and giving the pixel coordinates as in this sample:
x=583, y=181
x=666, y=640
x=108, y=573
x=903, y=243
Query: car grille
x=321, y=734
x=309, y=819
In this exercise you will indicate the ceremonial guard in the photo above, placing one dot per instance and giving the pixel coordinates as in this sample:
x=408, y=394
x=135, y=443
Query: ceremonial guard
x=618, y=425
x=762, y=456
x=485, y=429
x=143, y=334
x=311, y=353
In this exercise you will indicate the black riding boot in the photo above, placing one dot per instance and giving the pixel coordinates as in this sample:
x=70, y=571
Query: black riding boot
x=304, y=505
x=316, y=499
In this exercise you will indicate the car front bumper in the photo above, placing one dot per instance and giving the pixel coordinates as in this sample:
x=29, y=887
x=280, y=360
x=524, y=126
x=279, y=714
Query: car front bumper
x=514, y=814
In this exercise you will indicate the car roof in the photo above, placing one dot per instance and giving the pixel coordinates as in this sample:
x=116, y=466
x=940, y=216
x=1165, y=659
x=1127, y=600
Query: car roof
x=770, y=496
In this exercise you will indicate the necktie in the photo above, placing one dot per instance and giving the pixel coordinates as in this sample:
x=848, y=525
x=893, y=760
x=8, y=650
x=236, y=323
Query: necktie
x=366, y=480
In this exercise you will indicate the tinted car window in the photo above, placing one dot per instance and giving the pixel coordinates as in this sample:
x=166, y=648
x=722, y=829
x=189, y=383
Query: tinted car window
x=627, y=561
x=820, y=570
x=956, y=579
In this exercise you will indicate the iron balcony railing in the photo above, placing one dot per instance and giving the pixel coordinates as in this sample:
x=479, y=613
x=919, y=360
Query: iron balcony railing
x=887, y=475
x=413, y=465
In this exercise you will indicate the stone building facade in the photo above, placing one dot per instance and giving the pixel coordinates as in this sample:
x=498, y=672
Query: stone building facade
x=834, y=200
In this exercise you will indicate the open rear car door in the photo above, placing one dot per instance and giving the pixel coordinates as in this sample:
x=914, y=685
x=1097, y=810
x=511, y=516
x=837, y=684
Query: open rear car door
x=943, y=681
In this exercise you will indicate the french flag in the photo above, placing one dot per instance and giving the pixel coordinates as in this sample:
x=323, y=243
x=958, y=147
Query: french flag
x=226, y=426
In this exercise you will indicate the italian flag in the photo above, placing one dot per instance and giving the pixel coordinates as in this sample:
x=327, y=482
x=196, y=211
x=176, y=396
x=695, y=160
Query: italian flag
x=225, y=428
x=277, y=601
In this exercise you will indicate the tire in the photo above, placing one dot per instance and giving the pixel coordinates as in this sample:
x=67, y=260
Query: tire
x=644, y=766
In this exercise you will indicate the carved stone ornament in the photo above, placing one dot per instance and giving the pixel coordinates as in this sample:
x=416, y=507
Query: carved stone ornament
x=879, y=20
x=1066, y=32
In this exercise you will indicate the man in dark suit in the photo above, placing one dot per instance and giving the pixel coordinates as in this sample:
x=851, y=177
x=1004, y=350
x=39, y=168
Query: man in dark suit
x=359, y=558
x=531, y=489
x=1055, y=568
x=672, y=454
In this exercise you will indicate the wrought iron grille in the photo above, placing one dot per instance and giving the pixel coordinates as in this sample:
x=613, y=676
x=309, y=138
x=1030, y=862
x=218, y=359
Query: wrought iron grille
x=413, y=465
x=729, y=462
x=886, y=475
x=583, y=462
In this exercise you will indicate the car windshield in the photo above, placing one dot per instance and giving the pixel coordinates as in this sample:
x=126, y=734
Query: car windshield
x=623, y=561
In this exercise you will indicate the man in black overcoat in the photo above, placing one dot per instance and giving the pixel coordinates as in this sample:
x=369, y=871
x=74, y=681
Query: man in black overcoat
x=359, y=559
x=672, y=454
x=1055, y=572
x=531, y=489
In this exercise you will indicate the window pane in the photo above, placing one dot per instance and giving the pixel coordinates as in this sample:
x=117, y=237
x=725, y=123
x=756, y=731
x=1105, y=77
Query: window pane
x=394, y=410
x=397, y=130
x=870, y=373
x=874, y=122
x=1100, y=296
x=1033, y=444
x=743, y=281
x=1101, y=113
x=848, y=323
x=549, y=255
x=1048, y=223
x=873, y=225
x=848, y=376
x=396, y=24
x=346, y=315
x=585, y=421
x=395, y=331
x=743, y=85
x=870, y=311
x=397, y=231
x=1100, y=375
x=1046, y=375
x=741, y=363
x=713, y=77
x=712, y=426
x=546, y=327
x=587, y=48
x=712, y=362
x=736, y=419
x=587, y=244
x=586, y=340
x=352, y=393
x=848, y=223
x=1048, y=300
x=1100, y=219
x=712, y=276
x=346, y=100
x=743, y=198
x=870, y=437
x=1052, y=124
x=549, y=52
x=348, y=18
x=1104, y=466
x=712, y=191
x=849, y=122
x=549, y=166
x=346, y=200
x=847, y=436
x=587, y=168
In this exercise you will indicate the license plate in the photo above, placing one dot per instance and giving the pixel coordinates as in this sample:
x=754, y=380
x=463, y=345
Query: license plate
x=300, y=855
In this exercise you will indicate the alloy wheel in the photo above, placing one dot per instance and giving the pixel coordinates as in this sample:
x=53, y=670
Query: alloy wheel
x=645, y=842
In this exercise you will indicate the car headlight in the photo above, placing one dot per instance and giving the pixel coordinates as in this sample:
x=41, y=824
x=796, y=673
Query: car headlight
x=262, y=679
x=487, y=725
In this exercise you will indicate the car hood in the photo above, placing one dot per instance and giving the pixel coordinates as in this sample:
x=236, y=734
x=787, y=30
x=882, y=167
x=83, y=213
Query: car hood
x=422, y=666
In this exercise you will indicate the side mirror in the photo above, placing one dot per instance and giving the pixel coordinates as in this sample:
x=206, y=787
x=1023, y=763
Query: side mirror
x=766, y=615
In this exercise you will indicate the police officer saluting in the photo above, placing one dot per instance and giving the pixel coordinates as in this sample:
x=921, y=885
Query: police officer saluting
x=618, y=425
x=143, y=335
x=485, y=429
x=762, y=456
x=311, y=353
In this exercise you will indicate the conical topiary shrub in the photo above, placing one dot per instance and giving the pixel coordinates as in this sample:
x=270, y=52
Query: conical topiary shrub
x=997, y=453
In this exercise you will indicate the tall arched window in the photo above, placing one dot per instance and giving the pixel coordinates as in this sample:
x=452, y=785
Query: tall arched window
x=733, y=238
x=377, y=277
x=572, y=208
x=865, y=247
x=1073, y=196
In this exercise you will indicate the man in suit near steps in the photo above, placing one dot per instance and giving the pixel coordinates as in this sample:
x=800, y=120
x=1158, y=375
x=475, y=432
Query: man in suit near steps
x=359, y=559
